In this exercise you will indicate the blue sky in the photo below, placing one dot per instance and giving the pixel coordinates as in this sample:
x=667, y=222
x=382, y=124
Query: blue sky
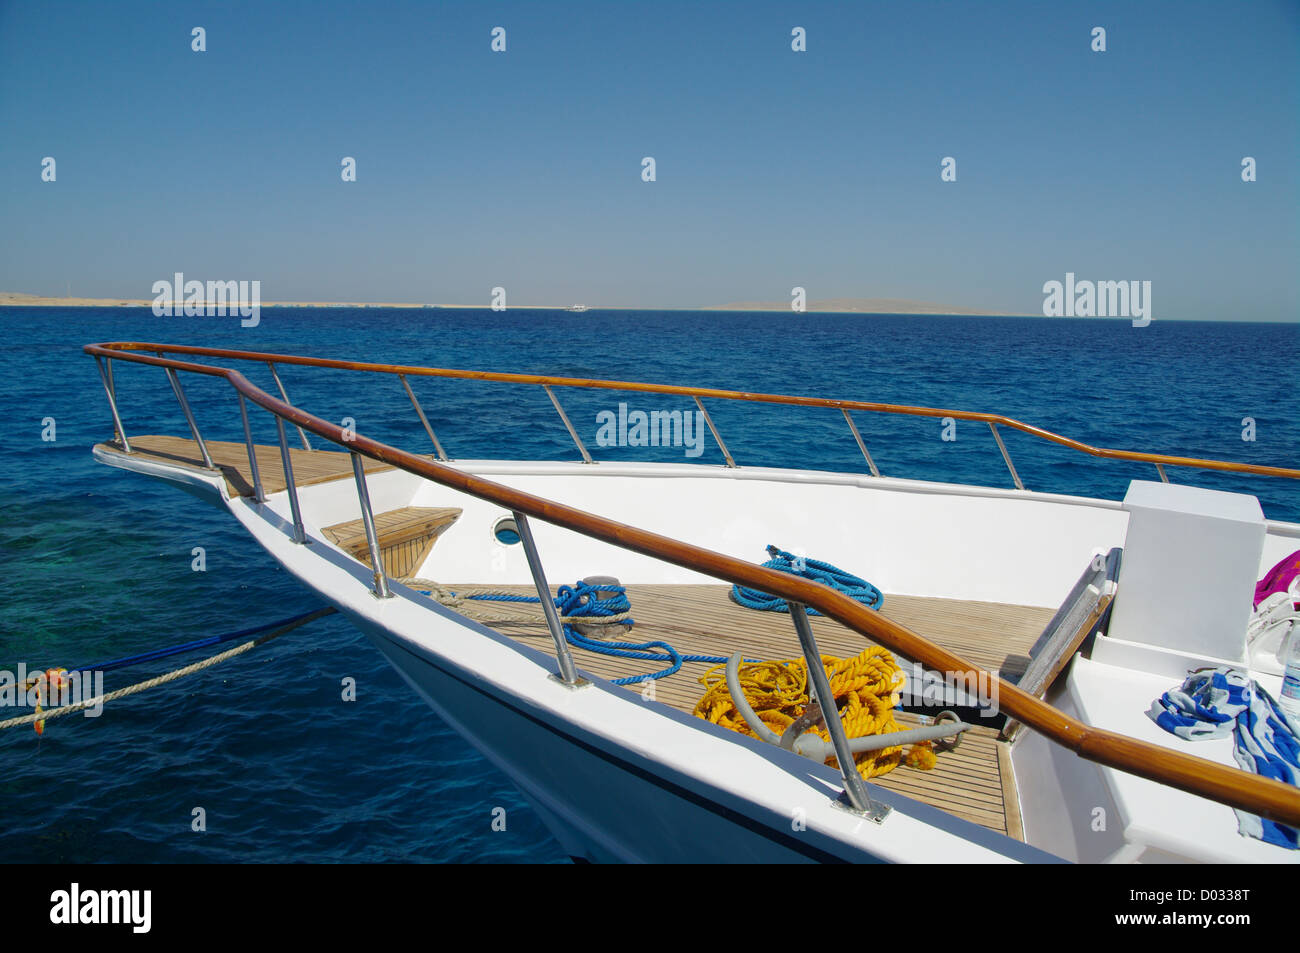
x=774, y=168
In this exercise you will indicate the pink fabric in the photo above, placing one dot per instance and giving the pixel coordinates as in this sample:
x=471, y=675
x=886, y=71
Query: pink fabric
x=1278, y=579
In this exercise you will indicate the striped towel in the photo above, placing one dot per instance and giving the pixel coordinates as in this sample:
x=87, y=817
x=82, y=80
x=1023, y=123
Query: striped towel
x=1217, y=702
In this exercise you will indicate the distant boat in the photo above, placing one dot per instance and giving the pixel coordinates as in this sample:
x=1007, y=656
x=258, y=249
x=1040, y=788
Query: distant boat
x=579, y=308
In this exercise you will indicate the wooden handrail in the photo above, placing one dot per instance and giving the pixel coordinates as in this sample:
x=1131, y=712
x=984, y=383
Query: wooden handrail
x=787, y=399
x=1227, y=785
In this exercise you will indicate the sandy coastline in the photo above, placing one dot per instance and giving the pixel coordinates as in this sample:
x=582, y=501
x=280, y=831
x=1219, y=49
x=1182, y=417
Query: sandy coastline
x=827, y=306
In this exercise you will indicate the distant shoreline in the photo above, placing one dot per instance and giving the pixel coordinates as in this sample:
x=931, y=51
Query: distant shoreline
x=10, y=300
x=836, y=306
x=864, y=307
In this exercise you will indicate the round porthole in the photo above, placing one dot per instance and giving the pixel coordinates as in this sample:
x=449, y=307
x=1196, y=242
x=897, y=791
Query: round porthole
x=506, y=531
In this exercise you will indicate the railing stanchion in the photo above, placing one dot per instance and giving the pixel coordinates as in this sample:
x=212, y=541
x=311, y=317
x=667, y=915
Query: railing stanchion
x=259, y=492
x=586, y=457
x=1160, y=468
x=855, y=789
x=298, y=535
x=285, y=394
x=858, y=437
x=568, y=672
x=368, y=521
x=112, y=386
x=189, y=417
x=716, y=436
x=423, y=419
x=1005, y=456
x=107, y=378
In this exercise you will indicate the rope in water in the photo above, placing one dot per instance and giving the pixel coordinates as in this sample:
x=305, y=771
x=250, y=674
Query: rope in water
x=852, y=586
x=277, y=629
x=208, y=642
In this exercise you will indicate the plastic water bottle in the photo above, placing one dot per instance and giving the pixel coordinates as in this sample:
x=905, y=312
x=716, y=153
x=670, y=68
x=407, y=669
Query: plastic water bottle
x=1290, y=697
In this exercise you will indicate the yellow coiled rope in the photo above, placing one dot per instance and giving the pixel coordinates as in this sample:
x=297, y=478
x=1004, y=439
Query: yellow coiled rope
x=866, y=689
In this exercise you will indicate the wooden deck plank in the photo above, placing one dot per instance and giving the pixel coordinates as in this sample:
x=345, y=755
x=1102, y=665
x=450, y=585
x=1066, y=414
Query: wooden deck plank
x=405, y=535
x=971, y=782
x=1015, y=820
x=309, y=466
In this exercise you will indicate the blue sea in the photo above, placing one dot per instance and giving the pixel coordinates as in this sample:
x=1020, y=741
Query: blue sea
x=97, y=562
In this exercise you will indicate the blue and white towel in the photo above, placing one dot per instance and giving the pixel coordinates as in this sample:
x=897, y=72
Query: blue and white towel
x=1215, y=703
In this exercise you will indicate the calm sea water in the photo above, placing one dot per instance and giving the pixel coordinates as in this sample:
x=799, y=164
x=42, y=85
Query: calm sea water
x=96, y=562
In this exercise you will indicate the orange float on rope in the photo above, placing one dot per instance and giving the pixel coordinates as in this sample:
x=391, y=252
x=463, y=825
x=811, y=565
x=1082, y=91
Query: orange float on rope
x=55, y=680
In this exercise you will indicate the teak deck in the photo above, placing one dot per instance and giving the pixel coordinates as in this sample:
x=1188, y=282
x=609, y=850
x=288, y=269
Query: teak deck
x=309, y=466
x=973, y=782
x=405, y=536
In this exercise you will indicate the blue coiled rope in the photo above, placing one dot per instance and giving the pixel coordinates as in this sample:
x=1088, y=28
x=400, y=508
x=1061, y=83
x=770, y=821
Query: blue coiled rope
x=580, y=600
x=828, y=575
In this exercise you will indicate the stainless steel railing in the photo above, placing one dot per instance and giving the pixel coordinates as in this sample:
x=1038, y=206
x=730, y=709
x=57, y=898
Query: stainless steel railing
x=855, y=791
x=1261, y=796
x=1159, y=461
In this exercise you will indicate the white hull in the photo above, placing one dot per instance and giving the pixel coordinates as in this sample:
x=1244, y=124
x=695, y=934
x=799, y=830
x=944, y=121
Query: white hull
x=607, y=801
x=617, y=778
